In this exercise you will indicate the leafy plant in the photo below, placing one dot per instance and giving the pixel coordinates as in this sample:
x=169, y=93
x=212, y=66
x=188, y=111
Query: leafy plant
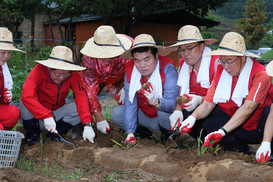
x=200, y=145
x=111, y=176
x=45, y=169
x=24, y=164
x=42, y=146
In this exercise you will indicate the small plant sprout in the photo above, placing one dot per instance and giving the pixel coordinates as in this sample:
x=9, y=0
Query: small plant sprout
x=200, y=146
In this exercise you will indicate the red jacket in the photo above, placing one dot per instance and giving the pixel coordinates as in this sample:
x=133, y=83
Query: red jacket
x=231, y=107
x=195, y=88
x=41, y=95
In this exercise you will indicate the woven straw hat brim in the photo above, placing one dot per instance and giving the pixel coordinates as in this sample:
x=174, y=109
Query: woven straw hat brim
x=269, y=69
x=55, y=64
x=206, y=41
x=92, y=50
x=162, y=51
x=222, y=52
x=9, y=47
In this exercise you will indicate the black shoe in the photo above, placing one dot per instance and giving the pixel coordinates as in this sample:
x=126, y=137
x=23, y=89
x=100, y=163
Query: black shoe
x=33, y=131
x=62, y=126
x=53, y=137
x=142, y=132
x=165, y=134
x=77, y=131
x=243, y=148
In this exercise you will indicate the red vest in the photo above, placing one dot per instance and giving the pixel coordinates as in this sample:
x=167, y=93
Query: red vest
x=149, y=110
x=195, y=88
x=1, y=85
x=231, y=107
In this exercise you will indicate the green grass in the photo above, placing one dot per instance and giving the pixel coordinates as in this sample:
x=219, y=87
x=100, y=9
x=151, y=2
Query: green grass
x=20, y=68
x=268, y=55
x=54, y=171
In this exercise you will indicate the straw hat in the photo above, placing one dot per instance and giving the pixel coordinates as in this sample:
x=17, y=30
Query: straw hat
x=269, y=69
x=189, y=34
x=144, y=40
x=106, y=43
x=6, y=40
x=232, y=44
x=61, y=57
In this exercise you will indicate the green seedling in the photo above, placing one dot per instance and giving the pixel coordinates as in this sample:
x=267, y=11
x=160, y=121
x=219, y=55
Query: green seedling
x=120, y=145
x=200, y=147
x=45, y=170
x=42, y=146
x=59, y=156
x=216, y=150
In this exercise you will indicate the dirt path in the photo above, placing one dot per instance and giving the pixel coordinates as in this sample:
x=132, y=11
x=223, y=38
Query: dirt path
x=147, y=161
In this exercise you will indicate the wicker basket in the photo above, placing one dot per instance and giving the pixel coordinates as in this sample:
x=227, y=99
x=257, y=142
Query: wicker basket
x=10, y=143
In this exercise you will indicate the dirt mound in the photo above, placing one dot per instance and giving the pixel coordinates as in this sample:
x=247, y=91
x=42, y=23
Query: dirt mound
x=147, y=161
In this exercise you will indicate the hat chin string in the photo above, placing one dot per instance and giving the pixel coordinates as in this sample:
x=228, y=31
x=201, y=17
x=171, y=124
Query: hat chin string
x=112, y=45
x=144, y=43
x=7, y=42
x=58, y=59
x=232, y=50
x=189, y=40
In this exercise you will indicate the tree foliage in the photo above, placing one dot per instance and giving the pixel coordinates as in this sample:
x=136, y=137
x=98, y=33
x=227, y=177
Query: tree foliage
x=252, y=25
x=133, y=11
x=234, y=9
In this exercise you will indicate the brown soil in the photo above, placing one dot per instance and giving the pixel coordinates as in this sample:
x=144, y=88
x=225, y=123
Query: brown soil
x=147, y=161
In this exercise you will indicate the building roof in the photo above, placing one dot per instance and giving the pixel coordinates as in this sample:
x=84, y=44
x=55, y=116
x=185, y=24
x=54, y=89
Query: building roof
x=180, y=17
x=174, y=16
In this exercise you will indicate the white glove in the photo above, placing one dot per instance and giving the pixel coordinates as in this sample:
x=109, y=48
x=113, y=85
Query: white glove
x=130, y=139
x=103, y=126
x=214, y=137
x=264, y=152
x=176, y=118
x=193, y=103
x=7, y=95
x=50, y=125
x=88, y=133
x=187, y=124
x=121, y=96
x=150, y=94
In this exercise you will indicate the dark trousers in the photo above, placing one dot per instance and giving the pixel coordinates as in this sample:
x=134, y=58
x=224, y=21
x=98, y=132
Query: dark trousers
x=237, y=137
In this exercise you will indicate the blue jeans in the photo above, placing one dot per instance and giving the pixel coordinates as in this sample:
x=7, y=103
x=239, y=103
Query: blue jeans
x=162, y=120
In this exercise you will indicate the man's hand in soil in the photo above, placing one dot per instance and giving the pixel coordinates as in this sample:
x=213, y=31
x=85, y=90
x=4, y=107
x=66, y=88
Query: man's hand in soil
x=130, y=139
x=50, y=125
x=121, y=96
x=264, y=152
x=88, y=133
x=103, y=127
x=187, y=124
x=214, y=137
x=175, y=119
x=150, y=94
x=7, y=95
x=193, y=103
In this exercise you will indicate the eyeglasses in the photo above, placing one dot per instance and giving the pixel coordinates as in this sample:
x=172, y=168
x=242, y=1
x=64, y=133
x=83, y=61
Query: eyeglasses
x=58, y=75
x=227, y=62
x=183, y=51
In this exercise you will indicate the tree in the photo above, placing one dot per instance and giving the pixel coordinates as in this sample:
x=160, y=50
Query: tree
x=252, y=25
x=22, y=9
x=11, y=17
x=132, y=11
x=59, y=9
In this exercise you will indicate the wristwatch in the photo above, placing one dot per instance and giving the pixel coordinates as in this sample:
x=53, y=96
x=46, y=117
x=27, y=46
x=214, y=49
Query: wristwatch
x=87, y=124
x=158, y=104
